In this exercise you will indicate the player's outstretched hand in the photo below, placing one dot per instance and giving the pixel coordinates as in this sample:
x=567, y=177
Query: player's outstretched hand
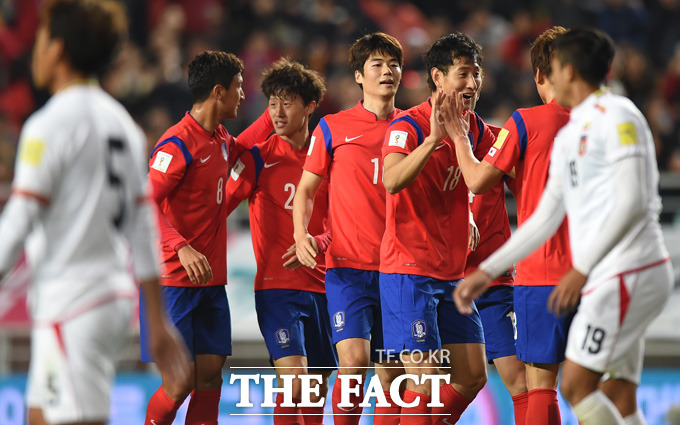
x=170, y=353
x=470, y=289
x=437, y=130
x=473, y=241
x=195, y=264
x=292, y=262
x=565, y=297
x=306, y=249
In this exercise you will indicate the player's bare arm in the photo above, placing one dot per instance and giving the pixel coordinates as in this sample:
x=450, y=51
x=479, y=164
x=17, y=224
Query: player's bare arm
x=195, y=264
x=479, y=176
x=401, y=170
x=303, y=205
x=471, y=288
x=473, y=241
x=167, y=346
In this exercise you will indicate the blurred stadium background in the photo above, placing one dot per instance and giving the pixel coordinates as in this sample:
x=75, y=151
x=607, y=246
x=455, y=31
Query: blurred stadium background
x=149, y=77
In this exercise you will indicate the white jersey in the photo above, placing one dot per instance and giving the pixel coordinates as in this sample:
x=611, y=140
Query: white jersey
x=82, y=157
x=602, y=130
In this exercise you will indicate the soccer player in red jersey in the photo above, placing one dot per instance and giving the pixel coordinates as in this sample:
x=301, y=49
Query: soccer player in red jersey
x=189, y=168
x=424, y=248
x=524, y=144
x=346, y=148
x=291, y=303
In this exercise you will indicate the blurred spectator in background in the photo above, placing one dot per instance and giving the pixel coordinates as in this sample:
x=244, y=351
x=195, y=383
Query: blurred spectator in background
x=148, y=77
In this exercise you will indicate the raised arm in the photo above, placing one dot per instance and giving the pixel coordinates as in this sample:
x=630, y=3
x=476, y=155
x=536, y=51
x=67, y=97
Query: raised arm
x=479, y=176
x=400, y=170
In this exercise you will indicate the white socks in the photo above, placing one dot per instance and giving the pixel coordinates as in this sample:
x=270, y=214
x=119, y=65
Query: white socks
x=598, y=409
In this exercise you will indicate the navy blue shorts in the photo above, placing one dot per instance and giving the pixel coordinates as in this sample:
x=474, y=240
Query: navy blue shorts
x=541, y=336
x=201, y=315
x=354, y=306
x=295, y=323
x=498, y=318
x=419, y=314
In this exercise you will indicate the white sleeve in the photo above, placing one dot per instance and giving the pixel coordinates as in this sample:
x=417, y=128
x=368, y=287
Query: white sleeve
x=17, y=220
x=142, y=233
x=630, y=201
x=542, y=224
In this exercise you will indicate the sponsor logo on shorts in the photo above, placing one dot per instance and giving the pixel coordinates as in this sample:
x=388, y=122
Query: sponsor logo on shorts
x=339, y=319
x=419, y=329
x=282, y=336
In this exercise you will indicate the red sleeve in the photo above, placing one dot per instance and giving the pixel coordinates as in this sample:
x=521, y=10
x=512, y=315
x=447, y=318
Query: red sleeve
x=318, y=159
x=401, y=137
x=16, y=40
x=505, y=152
x=256, y=132
x=168, y=235
x=241, y=182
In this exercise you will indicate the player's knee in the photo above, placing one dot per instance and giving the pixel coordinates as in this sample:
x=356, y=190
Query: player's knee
x=474, y=382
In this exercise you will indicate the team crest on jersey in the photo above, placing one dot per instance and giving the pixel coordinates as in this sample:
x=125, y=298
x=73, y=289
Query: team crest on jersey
x=339, y=319
x=282, y=336
x=225, y=151
x=582, y=145
x=162, y=162
x=419, y=329
x=398, y=138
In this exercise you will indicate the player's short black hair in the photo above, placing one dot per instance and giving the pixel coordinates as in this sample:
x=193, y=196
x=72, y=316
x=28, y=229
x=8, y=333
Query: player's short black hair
x=542, y=49
x=377, y=42
x=92, y=31
x=589, y=51
x=211, y=68
x=289, y=78
x=446, y=50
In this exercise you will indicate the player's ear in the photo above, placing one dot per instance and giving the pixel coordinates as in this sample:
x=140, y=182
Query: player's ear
x=436, y=74
x=310, y=107
x=539, y=77
x=218, y=91
x=358, y=77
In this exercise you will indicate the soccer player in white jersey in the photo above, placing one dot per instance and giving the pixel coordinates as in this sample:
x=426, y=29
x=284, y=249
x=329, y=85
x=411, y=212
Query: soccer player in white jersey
x=79, y=208
x=604, y=176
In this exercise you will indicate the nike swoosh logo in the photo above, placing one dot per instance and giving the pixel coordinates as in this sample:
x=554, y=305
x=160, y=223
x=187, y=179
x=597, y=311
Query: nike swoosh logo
x=271, y=165
x=205, y=159
x=446, y=421
x=152, y=421
x=440, y=146
x=347, y=139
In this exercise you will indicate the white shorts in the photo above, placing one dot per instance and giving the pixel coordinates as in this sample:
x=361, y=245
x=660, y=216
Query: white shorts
x=607, y=332
x=73, y=363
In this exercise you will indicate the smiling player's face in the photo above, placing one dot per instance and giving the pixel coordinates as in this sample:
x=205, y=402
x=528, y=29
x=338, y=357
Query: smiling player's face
x=464, y=76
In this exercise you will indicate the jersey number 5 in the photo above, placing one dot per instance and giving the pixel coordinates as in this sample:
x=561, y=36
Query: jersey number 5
x=116, y=147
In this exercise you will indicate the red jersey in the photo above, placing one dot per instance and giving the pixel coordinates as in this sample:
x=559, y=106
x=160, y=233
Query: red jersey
x=189, y=167
x=267, y=176
x=427, y=223
x=525, y=143
x=491, y=218
x=346, y=147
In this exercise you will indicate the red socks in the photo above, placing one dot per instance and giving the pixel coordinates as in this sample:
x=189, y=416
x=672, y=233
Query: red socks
x=454, y=405
x=387, y=415
x=543, y=408
x=161, y=408
x=520, y=402
x=287, y=415
x=312, y=415
x=346, y=415
x=203, y=407
x=418, y=414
